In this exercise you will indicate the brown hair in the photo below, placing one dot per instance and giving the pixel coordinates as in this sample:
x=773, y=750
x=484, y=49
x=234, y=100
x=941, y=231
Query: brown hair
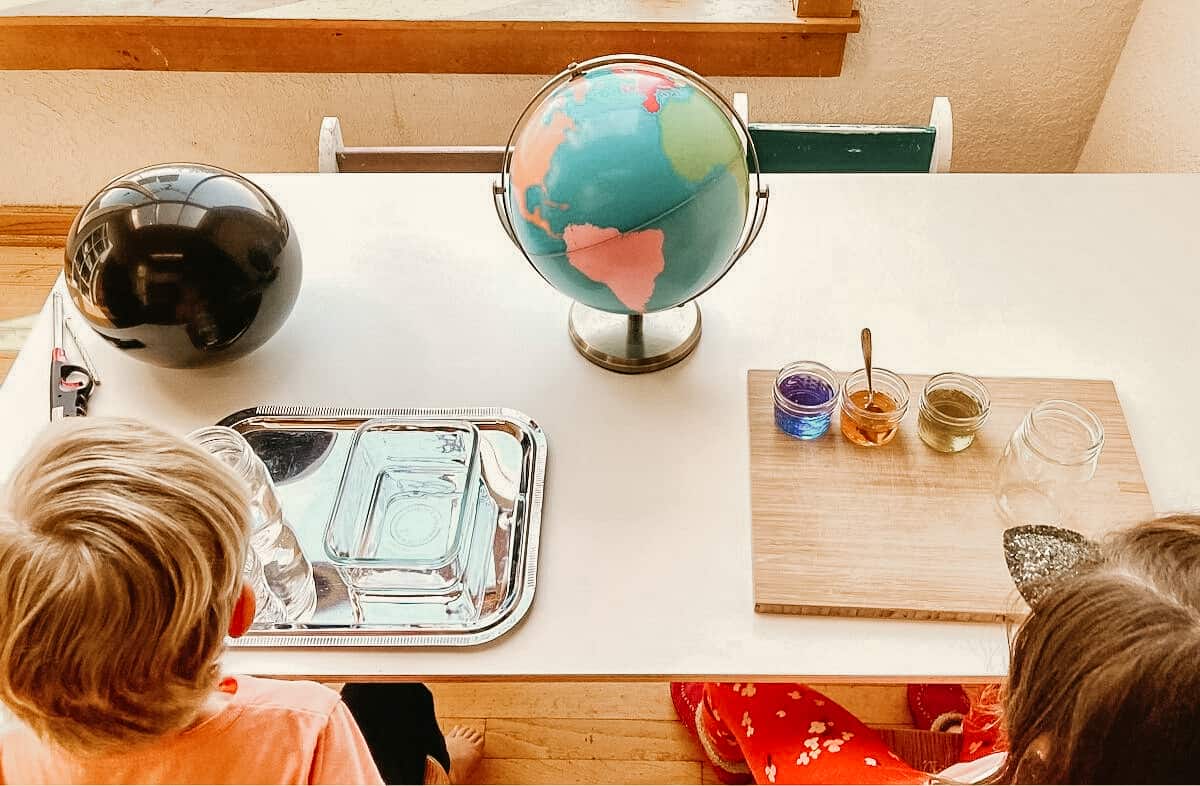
x=1104, y=683
x=120, y=565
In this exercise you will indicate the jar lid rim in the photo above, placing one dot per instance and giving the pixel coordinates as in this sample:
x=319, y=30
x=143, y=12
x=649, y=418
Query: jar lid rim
x=1087, y=419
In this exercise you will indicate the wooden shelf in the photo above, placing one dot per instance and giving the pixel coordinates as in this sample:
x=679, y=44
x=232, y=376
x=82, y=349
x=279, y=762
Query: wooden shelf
x=35, y=225
x=774, y=46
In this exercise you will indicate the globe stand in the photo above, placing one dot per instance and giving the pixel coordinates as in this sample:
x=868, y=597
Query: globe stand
x=635, y=343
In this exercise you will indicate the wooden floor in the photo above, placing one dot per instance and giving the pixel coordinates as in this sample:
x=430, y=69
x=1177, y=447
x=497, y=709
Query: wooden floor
x=606, y=732
x=535, y=732
x=26, y=275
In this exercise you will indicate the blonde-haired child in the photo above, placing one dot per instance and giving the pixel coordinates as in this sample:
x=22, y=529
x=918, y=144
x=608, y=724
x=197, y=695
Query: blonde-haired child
x=121, y=552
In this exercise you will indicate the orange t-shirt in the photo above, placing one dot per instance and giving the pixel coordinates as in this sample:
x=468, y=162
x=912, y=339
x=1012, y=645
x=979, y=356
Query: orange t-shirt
x=269, y=731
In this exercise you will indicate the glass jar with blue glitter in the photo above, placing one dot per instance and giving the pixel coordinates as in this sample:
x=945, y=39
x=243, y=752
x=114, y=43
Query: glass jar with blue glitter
x=806, y=395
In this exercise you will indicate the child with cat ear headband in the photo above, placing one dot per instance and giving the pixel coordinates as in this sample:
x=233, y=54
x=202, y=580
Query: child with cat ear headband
x=1104, y=680
x=1103, y=685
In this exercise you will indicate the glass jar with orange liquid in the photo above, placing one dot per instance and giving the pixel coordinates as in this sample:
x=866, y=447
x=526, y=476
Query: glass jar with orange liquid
x=873, y=420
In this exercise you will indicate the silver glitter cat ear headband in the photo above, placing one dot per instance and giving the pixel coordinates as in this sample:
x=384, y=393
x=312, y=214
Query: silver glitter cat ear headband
x=1039, y=556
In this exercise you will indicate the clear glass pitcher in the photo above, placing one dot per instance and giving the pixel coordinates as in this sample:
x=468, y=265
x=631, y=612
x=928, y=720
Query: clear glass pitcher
x=1047, y=463
x=287, y=572
x=269, y=609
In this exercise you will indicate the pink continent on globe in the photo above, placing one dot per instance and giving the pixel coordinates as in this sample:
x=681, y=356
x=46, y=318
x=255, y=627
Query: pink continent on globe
x=531, y=164
x=627, y=263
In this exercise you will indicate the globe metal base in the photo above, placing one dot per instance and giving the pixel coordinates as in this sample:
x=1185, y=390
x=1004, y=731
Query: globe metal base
x=636, y=343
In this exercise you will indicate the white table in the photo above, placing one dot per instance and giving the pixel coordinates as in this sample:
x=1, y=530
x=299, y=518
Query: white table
x=413, y=296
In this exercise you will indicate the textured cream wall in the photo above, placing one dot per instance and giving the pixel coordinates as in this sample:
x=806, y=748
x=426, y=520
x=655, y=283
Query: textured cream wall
x=1025, y=77
x=1150, y=118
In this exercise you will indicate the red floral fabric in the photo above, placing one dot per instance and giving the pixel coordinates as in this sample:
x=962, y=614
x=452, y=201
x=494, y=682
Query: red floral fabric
x=779, y=733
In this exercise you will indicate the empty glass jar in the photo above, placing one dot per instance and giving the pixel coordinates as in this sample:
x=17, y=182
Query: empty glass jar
x=1047, y=464
x=287, y=572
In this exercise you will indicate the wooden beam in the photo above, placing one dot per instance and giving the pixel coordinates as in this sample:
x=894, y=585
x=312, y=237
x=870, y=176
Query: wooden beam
x=796, y=47
x=40, y=225
x=823, y=7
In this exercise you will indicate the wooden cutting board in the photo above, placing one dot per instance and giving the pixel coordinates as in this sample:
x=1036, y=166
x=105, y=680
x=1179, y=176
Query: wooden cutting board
x=902, y=530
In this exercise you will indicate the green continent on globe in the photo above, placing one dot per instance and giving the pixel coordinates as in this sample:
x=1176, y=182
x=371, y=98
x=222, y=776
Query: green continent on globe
x=628, y=188
x=693, y=155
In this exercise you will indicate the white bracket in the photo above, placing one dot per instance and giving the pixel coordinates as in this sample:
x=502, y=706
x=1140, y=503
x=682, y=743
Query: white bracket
x=329, y=144
x=741, y=105
x=943, y=141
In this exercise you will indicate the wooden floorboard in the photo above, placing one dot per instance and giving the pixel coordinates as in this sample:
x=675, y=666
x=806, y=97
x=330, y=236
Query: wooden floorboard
x=18, y=300
x=568, y=771
x=36, y=255
x=22, y=225
x=875, y=705
x=878, y=705
x=40, y=270
x=591, y=739
x=26, y=276
x=568, y=700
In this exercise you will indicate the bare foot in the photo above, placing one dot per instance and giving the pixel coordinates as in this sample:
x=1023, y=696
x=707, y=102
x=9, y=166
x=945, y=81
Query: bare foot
x=465, y=746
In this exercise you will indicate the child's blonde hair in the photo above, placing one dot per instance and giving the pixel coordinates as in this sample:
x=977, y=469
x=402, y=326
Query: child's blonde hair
x=120, y=564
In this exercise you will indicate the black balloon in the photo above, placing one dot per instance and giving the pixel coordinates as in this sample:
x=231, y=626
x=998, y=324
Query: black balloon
x=183, y=265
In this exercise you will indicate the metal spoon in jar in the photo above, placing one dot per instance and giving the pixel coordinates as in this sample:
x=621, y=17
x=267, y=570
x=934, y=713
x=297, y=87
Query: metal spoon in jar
x=870, y=406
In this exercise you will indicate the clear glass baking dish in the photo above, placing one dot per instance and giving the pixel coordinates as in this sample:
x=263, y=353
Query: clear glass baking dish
x=405, y=513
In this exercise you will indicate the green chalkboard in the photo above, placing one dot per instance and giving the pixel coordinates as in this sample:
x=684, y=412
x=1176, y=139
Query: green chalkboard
x=787, y=147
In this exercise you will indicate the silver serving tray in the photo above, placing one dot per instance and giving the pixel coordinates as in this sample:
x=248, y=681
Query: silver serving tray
x=305, y=449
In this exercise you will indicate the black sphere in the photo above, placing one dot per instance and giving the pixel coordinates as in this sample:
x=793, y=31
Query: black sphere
x=183, y=265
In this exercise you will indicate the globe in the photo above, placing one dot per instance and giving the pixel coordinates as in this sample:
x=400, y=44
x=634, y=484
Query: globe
x=625, y=183
x=183, y=265
x=628, y=187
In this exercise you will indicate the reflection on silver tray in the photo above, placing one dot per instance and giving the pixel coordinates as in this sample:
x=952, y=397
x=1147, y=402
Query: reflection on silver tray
x=305, y=449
